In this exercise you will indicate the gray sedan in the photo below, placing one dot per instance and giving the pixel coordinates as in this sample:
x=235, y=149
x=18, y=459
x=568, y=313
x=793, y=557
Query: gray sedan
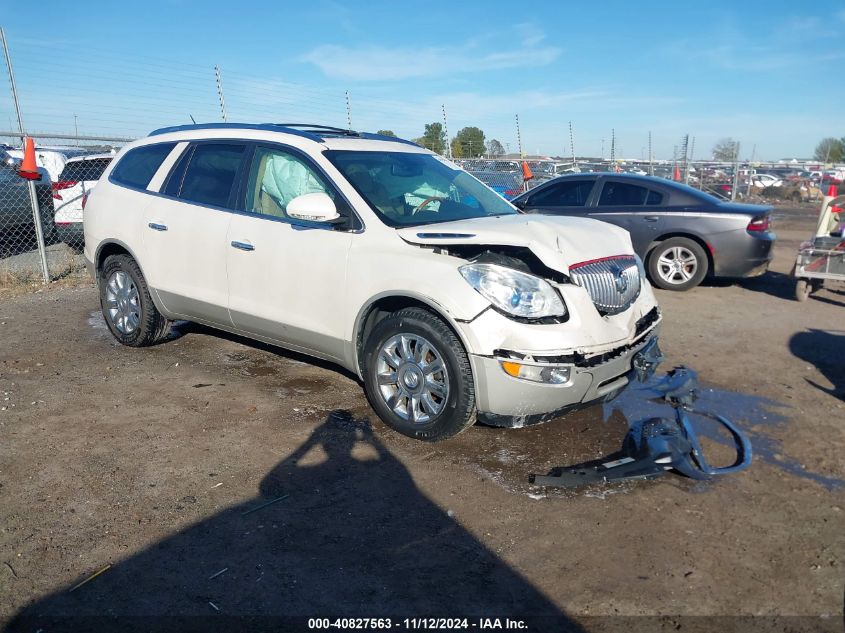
x=681, y=234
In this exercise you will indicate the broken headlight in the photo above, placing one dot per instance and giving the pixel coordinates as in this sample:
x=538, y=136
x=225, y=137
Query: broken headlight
x=514, y=292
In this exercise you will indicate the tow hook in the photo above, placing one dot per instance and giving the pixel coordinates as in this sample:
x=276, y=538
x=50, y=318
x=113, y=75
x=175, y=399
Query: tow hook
x=656, y=445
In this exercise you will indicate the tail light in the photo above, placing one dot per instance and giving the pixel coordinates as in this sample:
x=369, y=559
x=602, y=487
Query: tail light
x=512, y=192
x=758, y=224
x=62, y=184
x=84, y=200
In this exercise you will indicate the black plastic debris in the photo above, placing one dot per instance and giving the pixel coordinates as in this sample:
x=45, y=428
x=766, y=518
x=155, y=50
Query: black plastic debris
x=656, y=445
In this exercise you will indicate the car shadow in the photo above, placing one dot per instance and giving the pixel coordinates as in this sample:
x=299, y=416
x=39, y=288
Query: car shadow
x=337, y=528
x=180, y=329
x=771, y=283
x=825, y=349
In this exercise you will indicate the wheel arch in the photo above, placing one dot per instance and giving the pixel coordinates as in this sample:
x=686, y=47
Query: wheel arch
x=117, y=247
x=708, y=251
x=384, y=304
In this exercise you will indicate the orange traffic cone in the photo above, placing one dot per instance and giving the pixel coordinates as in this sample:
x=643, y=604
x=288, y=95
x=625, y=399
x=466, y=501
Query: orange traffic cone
x=28, y=168
x=676, y=176
x=526, y=171
x=831, y=191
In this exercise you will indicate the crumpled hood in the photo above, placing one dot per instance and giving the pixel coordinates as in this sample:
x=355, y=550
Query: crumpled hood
x=559, y=242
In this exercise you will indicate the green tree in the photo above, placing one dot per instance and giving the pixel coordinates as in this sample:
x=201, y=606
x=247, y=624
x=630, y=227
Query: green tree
x=386, y=132
x=471, y=141
x=495, y=149
x=830, y=150
x=434, y=138
x=725, y=150
x=457, y=152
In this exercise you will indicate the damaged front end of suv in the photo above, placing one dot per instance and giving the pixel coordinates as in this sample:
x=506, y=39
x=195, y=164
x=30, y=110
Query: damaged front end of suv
x=568, y=313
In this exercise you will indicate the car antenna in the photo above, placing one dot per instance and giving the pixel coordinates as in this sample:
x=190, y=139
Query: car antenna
x=192, y=119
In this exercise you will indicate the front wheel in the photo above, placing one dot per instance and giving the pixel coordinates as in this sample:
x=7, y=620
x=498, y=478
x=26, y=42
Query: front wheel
x=678, y=263
x=418, y=377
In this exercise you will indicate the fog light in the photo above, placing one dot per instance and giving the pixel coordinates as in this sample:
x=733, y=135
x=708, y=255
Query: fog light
x=550, y=374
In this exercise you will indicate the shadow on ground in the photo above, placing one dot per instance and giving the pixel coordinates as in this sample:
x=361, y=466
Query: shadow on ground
x=355, y=537
x=825, y=349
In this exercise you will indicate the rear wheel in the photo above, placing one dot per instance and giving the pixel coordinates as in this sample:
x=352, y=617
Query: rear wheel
x=678, y=263
x=418, y=377
x=127, y=305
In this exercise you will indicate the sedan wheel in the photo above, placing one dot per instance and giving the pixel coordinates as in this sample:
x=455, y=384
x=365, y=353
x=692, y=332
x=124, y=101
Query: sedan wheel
x=677, y=264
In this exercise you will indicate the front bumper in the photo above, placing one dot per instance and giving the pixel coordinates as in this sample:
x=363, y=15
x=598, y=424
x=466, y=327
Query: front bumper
x=506, y=401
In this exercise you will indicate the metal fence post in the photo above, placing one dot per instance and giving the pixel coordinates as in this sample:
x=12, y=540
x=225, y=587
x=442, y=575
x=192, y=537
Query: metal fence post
x=33, y=196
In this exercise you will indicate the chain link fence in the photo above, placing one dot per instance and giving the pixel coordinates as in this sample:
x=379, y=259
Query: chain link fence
x=69, y=168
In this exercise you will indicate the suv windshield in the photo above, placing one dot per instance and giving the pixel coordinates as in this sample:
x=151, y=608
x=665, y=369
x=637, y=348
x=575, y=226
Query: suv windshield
x=407, y=189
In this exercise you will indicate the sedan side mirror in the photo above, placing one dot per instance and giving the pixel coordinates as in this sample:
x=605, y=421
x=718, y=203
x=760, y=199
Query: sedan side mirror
x=313, y=207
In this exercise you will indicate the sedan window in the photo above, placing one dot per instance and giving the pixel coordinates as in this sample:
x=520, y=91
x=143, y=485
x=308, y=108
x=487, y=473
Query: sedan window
x=569, y=193
x=622, y=194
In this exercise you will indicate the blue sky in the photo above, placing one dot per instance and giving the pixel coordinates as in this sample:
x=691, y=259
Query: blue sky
x=769, y=75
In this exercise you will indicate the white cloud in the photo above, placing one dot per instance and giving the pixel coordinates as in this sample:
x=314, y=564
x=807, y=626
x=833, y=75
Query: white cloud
x=385, y=63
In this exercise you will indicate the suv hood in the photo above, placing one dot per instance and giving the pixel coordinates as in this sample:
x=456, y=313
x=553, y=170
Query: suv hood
x=559, y=242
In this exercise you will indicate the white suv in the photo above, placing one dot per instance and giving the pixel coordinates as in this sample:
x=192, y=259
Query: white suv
x=378, y=255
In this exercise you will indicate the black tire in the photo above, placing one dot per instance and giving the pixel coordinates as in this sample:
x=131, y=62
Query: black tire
x=152, y=325
x=458, y=412
x=685, y=245
x=803, y=288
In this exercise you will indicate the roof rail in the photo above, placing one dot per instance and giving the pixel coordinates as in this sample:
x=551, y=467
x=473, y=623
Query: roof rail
x=271, y=127
x=317, y=129
x=310, y=131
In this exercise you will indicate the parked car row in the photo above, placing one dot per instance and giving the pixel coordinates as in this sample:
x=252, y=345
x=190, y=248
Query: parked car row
x=67, y=176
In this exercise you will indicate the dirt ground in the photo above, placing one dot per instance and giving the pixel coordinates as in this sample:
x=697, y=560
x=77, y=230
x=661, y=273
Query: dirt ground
x=158, y=461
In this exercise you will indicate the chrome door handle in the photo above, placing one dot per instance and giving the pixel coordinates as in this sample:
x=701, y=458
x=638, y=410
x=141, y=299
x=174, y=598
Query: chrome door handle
x=651, y=218
x=157, y=227
x=243, y=246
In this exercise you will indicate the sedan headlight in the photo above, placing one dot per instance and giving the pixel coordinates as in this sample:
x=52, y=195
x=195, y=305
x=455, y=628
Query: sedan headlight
x=514, y=292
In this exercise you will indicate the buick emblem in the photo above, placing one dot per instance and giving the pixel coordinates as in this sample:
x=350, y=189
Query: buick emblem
x=620, y=280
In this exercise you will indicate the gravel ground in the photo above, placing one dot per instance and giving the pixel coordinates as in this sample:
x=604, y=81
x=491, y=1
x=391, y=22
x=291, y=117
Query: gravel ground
x=157, y=463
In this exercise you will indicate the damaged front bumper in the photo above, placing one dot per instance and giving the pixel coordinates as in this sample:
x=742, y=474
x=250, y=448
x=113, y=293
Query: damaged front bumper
x=505, y=400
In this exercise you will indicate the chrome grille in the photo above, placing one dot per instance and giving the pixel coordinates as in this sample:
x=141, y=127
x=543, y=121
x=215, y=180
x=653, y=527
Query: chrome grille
x=613, y=282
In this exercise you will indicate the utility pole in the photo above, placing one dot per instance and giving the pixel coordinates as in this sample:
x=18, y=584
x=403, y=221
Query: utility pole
x=220, y=93
x=650, y=163
x=572, y=144
x=602, y=148
x=736, y=172
x=689, y=163
x=446, y=132
x=348, y=113
x=613, y=148
x=518, y=137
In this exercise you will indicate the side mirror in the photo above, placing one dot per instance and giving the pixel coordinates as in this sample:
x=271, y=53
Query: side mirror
x=313, y=207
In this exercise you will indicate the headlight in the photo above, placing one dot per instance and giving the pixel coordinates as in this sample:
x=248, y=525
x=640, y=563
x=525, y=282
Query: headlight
x=514, y=292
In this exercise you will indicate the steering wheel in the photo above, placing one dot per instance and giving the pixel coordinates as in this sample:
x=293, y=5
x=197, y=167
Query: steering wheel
x=426, y=202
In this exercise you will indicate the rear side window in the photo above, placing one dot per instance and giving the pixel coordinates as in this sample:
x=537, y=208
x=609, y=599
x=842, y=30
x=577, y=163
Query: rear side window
x=655, y=198
x=570, y=193
x=622, y=194
x=211, y=173
x=137, y=168
x=85, y=169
